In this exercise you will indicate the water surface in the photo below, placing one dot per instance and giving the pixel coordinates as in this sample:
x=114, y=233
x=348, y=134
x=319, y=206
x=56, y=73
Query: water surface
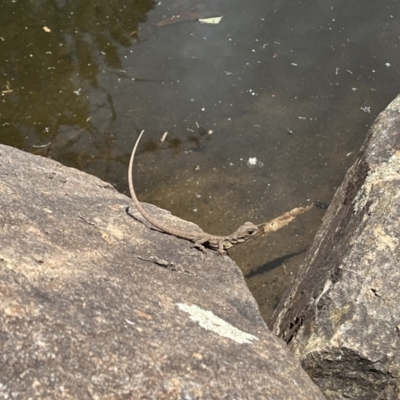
x=293, y=85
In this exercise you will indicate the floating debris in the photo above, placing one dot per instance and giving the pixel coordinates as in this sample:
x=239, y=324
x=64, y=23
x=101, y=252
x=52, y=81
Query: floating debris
x=253, y=162
x=39, y=146
x=284, y=219
x=163, y=137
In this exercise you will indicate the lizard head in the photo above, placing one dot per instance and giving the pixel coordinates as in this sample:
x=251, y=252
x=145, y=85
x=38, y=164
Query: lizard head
x=244, y=232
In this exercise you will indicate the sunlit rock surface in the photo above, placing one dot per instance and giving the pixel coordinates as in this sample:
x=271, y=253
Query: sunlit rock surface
x=94, y=304
x=341, y=317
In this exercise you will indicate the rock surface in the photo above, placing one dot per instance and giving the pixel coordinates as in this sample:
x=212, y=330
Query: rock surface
x=341, y=317
x=94, y=304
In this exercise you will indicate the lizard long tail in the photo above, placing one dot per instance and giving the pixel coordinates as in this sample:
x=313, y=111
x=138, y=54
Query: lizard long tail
x=139, y=206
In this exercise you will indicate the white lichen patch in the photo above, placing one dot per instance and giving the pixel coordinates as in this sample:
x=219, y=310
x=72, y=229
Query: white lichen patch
x=384, y=241
x=209, y=321
x=386, y=172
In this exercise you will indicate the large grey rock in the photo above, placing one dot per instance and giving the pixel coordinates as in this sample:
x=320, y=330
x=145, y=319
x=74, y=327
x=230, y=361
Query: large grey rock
x=341, y=317
x=94, y=304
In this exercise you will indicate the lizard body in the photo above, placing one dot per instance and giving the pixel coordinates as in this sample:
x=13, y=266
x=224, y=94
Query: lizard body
x=219, y=243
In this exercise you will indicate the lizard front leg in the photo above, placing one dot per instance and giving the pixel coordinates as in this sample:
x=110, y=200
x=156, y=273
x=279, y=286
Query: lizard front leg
x=221, y=249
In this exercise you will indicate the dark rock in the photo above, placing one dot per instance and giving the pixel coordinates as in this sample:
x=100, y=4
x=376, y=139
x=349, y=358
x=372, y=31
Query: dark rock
x=341, y=317
x=94, y=304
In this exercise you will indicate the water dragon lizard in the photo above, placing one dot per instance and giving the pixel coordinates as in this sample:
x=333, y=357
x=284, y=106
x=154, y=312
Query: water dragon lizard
x=199, y=238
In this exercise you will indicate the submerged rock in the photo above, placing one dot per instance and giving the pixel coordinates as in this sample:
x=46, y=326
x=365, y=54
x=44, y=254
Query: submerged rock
x=341, y=317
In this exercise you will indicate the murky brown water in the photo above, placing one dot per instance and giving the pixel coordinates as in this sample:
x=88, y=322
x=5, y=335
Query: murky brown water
x=293, y=85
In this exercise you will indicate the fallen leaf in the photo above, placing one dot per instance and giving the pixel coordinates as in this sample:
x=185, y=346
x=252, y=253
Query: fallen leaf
x=213, y=20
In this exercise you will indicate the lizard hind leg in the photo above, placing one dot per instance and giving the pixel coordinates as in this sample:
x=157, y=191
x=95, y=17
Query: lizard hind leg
x=198, y=244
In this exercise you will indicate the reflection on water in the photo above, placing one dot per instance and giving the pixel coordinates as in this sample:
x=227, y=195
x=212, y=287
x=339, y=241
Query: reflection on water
x=291, y=84
x=53, y=57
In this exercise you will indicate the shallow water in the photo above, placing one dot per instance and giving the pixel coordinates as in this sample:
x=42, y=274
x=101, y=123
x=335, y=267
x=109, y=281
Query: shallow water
x=291, y=85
